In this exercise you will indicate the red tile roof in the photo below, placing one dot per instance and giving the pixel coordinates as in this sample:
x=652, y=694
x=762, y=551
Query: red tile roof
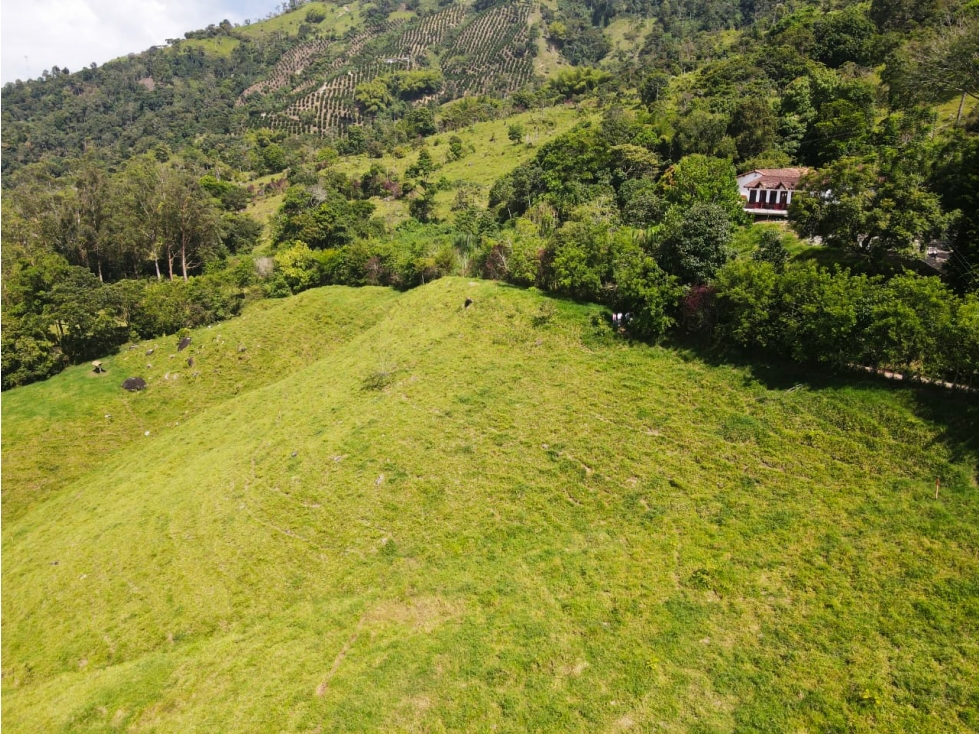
x=774, y=178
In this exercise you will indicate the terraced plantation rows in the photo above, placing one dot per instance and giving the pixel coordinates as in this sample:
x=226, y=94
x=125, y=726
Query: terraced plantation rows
x=293, y=61
x=488, y=48
x=431, y=31
x=331, y=106
x=480, y=52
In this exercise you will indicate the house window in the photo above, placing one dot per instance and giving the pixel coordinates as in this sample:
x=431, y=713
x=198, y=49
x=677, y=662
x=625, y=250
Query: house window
x=753, y=196
x=783, y=198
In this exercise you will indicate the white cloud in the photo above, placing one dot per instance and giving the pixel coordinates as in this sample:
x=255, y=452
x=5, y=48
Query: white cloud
x=39, y=34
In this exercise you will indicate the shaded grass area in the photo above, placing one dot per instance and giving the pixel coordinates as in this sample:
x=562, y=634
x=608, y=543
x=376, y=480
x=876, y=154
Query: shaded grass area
x=523, y=524
x=627, y=35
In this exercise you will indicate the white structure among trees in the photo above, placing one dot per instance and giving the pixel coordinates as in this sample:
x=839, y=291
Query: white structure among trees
x=768, y=191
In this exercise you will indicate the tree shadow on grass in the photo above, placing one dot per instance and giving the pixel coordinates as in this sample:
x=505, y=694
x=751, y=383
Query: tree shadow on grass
x=954, y=412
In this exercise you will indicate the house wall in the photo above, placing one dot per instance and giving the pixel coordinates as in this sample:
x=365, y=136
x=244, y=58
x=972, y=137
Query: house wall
x=744, y=180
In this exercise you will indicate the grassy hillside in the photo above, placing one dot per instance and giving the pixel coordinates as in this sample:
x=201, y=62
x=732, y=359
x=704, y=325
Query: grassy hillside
x=393, y=513
x=489, y=155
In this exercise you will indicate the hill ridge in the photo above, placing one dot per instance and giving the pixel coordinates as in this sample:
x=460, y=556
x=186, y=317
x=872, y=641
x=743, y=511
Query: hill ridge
x=504, y=499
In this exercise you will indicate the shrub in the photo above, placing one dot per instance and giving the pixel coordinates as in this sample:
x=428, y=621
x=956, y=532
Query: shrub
x=695, y=245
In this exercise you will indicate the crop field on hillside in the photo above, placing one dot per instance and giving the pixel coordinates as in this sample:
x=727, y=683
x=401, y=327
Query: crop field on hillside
x=365, y=510
x=481, y=52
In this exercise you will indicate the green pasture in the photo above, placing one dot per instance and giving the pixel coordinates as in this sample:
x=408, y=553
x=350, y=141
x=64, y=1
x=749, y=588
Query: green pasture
x=489, y=155
x=361, y=510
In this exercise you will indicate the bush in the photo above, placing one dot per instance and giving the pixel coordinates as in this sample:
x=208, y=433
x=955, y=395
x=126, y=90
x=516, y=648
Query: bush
x=315, y=15
x=30, y=352
x=911, y=324
x=646, y=291
x=695, y=245
x=771, y=249
x=299, y=267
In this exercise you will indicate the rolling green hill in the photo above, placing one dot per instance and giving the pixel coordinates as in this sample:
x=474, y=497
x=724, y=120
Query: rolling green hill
x=363, y=510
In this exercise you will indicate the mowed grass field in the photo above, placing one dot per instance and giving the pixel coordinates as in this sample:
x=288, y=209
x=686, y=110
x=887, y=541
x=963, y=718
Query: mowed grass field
x=361, y=510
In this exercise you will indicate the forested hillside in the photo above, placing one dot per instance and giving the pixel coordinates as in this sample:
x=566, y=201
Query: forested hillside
x=587, y=148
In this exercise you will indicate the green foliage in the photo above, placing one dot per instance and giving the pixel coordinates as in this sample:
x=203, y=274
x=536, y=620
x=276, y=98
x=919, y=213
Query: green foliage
x=377, y=94
x=422, y=206
x=457, y=149
x=652, y=87
x=30, y=350
x=373, y=96
x=581, y=261
x=645, y=291
x=938, y=64
x=577, y=81
x=771, y=249
x=299, y=266
x=413, y=84
x=903, y=15
x=641, y=203
x=424, y=166
x=468, y=111
x=239, y=232
x=695, y=244
x=909, y=323
x=843, y=36
x=701, y=179
x=315, y=15
x=516, y=132
x=579, y=42
x=513, y=256
x=753, y=127
x=701, y=132
x=57, y=314
x=869, y=209
x=323, y=225
x=418, y=122
x=746, y=297
x=231, y=197
x=957, y=182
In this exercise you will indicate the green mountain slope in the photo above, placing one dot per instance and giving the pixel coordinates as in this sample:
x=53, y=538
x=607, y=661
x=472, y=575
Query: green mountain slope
x=391, y=512
x=297, y=72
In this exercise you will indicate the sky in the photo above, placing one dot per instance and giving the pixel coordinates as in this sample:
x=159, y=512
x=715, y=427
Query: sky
x=38, y=34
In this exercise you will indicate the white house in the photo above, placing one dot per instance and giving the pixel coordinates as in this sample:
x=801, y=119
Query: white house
x=768, y=191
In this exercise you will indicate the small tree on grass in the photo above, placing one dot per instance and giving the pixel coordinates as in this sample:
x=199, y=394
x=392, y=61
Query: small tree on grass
x=516, y=132
x=422, y=207
x=646, y=291
x=771, y=249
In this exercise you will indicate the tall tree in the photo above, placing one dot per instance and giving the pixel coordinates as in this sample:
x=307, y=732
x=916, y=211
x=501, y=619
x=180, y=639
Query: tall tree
x=695, y=244
x=91, y=212
x=136, y=209
x=190, y=224
x=869, y=209
x=946, y=63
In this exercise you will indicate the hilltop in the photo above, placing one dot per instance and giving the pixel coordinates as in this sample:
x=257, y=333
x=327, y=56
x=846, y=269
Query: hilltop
x=360, y=509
